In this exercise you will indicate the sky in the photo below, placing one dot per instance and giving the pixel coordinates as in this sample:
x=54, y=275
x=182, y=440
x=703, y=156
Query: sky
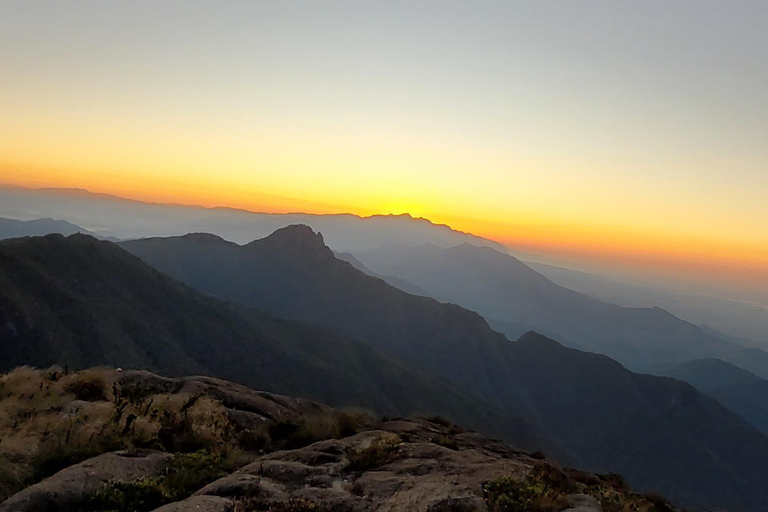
x=628, y=134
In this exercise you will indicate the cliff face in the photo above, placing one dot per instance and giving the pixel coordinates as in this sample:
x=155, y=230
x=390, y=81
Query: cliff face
x=199, y=443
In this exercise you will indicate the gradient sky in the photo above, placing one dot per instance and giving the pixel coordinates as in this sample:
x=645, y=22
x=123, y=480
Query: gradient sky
x=631, y=132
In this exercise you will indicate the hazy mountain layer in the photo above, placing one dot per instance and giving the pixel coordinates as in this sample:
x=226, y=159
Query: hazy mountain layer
x=503, y=288
x=113, y=216
x=12, y=228
x=740, y=390
x=744, y=322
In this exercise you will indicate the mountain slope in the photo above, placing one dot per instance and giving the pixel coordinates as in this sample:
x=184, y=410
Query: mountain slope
x=649, y=428
x=500, y=287
x=294, y=275
x=661, y=433
x=81, y=302
x=741, y=391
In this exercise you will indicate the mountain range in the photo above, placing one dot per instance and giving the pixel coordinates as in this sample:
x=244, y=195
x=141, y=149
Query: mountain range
x=660, y=433
x=115, y=217
x=743, y=322
x=284, y=314
x=12, y=228
x=81, y=302
x=515, y=298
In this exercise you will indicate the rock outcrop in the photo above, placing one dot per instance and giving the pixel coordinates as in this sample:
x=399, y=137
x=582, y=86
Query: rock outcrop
x=72, y=486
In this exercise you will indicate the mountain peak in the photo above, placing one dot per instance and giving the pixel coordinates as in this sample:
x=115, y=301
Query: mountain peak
x=297, y=238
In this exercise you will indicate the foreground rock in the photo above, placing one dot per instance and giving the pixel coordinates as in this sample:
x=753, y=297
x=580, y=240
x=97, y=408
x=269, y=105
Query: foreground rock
x=70, y=487
x=200, y=504
x=412, y=465
x=221, y=447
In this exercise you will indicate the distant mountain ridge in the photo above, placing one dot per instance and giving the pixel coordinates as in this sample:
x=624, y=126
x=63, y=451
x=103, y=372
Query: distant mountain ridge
x=738, y=318
x=13, y=228
x=122, y=218
x=659, y=432
x=509, y=293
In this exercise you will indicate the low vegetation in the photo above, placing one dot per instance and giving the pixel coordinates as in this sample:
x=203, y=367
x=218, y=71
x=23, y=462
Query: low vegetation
x=185, y=474
x=380, y=451
x=51, y=419
x=292, y=505
x=288, y=434
x=546, y=489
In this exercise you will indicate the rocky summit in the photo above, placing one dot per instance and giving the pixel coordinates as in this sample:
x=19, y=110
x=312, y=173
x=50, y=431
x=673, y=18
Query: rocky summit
x=104, y=440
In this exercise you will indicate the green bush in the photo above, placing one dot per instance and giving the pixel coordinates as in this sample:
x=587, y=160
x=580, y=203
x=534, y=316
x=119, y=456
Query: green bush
x=185, y=474
x=509, y=495
x=189, y=472
x=140, y=495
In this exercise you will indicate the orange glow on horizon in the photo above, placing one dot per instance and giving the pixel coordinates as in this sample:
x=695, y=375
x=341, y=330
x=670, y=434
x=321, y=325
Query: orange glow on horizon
x=719, y=261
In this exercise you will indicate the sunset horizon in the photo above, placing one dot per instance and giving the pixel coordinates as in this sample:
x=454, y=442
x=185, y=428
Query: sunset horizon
x=383, y=256
x=583, y=248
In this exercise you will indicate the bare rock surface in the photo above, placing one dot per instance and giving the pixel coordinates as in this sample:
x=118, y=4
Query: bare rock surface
x=200, y=504
x=73, y=485
x=582, y=503
x=358, y=464
x=243, y=402
x=409, y=474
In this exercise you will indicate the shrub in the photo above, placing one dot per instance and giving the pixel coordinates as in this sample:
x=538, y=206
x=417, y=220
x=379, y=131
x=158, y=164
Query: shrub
x=57, y=454
x=292, y=505
x=509, y=495
x=439, y=420
x=658, y=503
x=350, y=422
x=137, y=496
x=290, y=434
x=447, y=442
x=379, y=452
x=185, y=474
x=454, y=505
x=283, y=430
x=189, y=472
x=88, y=386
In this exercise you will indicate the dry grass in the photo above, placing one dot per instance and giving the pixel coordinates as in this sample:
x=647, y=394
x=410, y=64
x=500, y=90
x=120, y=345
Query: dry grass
x=50, y=419
x=318, y=427
x=546, y=487
x=380, y=451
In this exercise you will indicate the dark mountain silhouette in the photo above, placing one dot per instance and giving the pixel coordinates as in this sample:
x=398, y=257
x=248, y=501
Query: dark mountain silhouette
x=740, y=390
x=661, y=433
x=502, y=288
x=80, y=302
